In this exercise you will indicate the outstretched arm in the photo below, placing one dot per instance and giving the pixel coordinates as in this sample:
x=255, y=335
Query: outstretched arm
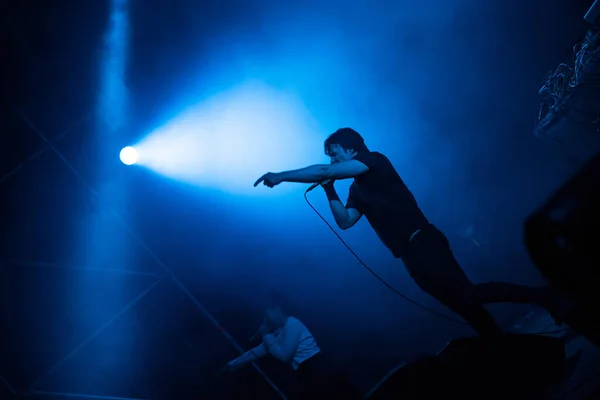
x=248, y=357
x=315, y=173
x=322, y=172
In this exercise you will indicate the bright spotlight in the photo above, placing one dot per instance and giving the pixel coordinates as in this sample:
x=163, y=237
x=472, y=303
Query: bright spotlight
x=129, y=155
x=224, y=142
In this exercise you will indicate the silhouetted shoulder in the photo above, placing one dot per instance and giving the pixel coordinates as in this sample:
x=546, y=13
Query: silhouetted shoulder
x=372, y=159
x=381, y=157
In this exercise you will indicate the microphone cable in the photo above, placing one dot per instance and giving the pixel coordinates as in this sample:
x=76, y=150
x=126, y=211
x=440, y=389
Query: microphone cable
x=393, y=289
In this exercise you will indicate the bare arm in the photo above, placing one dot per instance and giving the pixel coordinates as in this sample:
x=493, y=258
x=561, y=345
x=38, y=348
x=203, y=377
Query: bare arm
x=344, y=217
x=321, y=172
x=250, y=356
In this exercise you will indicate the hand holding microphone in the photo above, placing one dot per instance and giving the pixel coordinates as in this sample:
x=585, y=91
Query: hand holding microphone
x=262, y=331
x=327, y=183
x=317, y=184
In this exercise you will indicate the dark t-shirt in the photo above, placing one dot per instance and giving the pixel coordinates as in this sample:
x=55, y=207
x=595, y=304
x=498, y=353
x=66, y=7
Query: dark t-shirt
x=383, y=198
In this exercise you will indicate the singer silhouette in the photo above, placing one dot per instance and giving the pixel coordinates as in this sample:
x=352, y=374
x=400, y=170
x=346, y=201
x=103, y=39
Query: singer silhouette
x=379, y=193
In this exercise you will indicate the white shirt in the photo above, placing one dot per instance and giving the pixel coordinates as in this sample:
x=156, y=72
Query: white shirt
x=292, y=344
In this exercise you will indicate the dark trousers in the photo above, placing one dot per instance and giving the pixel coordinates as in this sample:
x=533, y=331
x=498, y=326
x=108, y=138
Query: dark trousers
x=315, y=381
x=431, y=263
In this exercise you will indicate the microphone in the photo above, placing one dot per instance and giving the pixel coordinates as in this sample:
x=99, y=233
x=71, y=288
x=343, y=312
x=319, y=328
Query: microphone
x=264, y=327
x=257, y=334
x=316, y=184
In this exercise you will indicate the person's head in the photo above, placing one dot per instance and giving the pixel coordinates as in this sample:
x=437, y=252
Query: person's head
x=275, y=317
x=344, y=144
